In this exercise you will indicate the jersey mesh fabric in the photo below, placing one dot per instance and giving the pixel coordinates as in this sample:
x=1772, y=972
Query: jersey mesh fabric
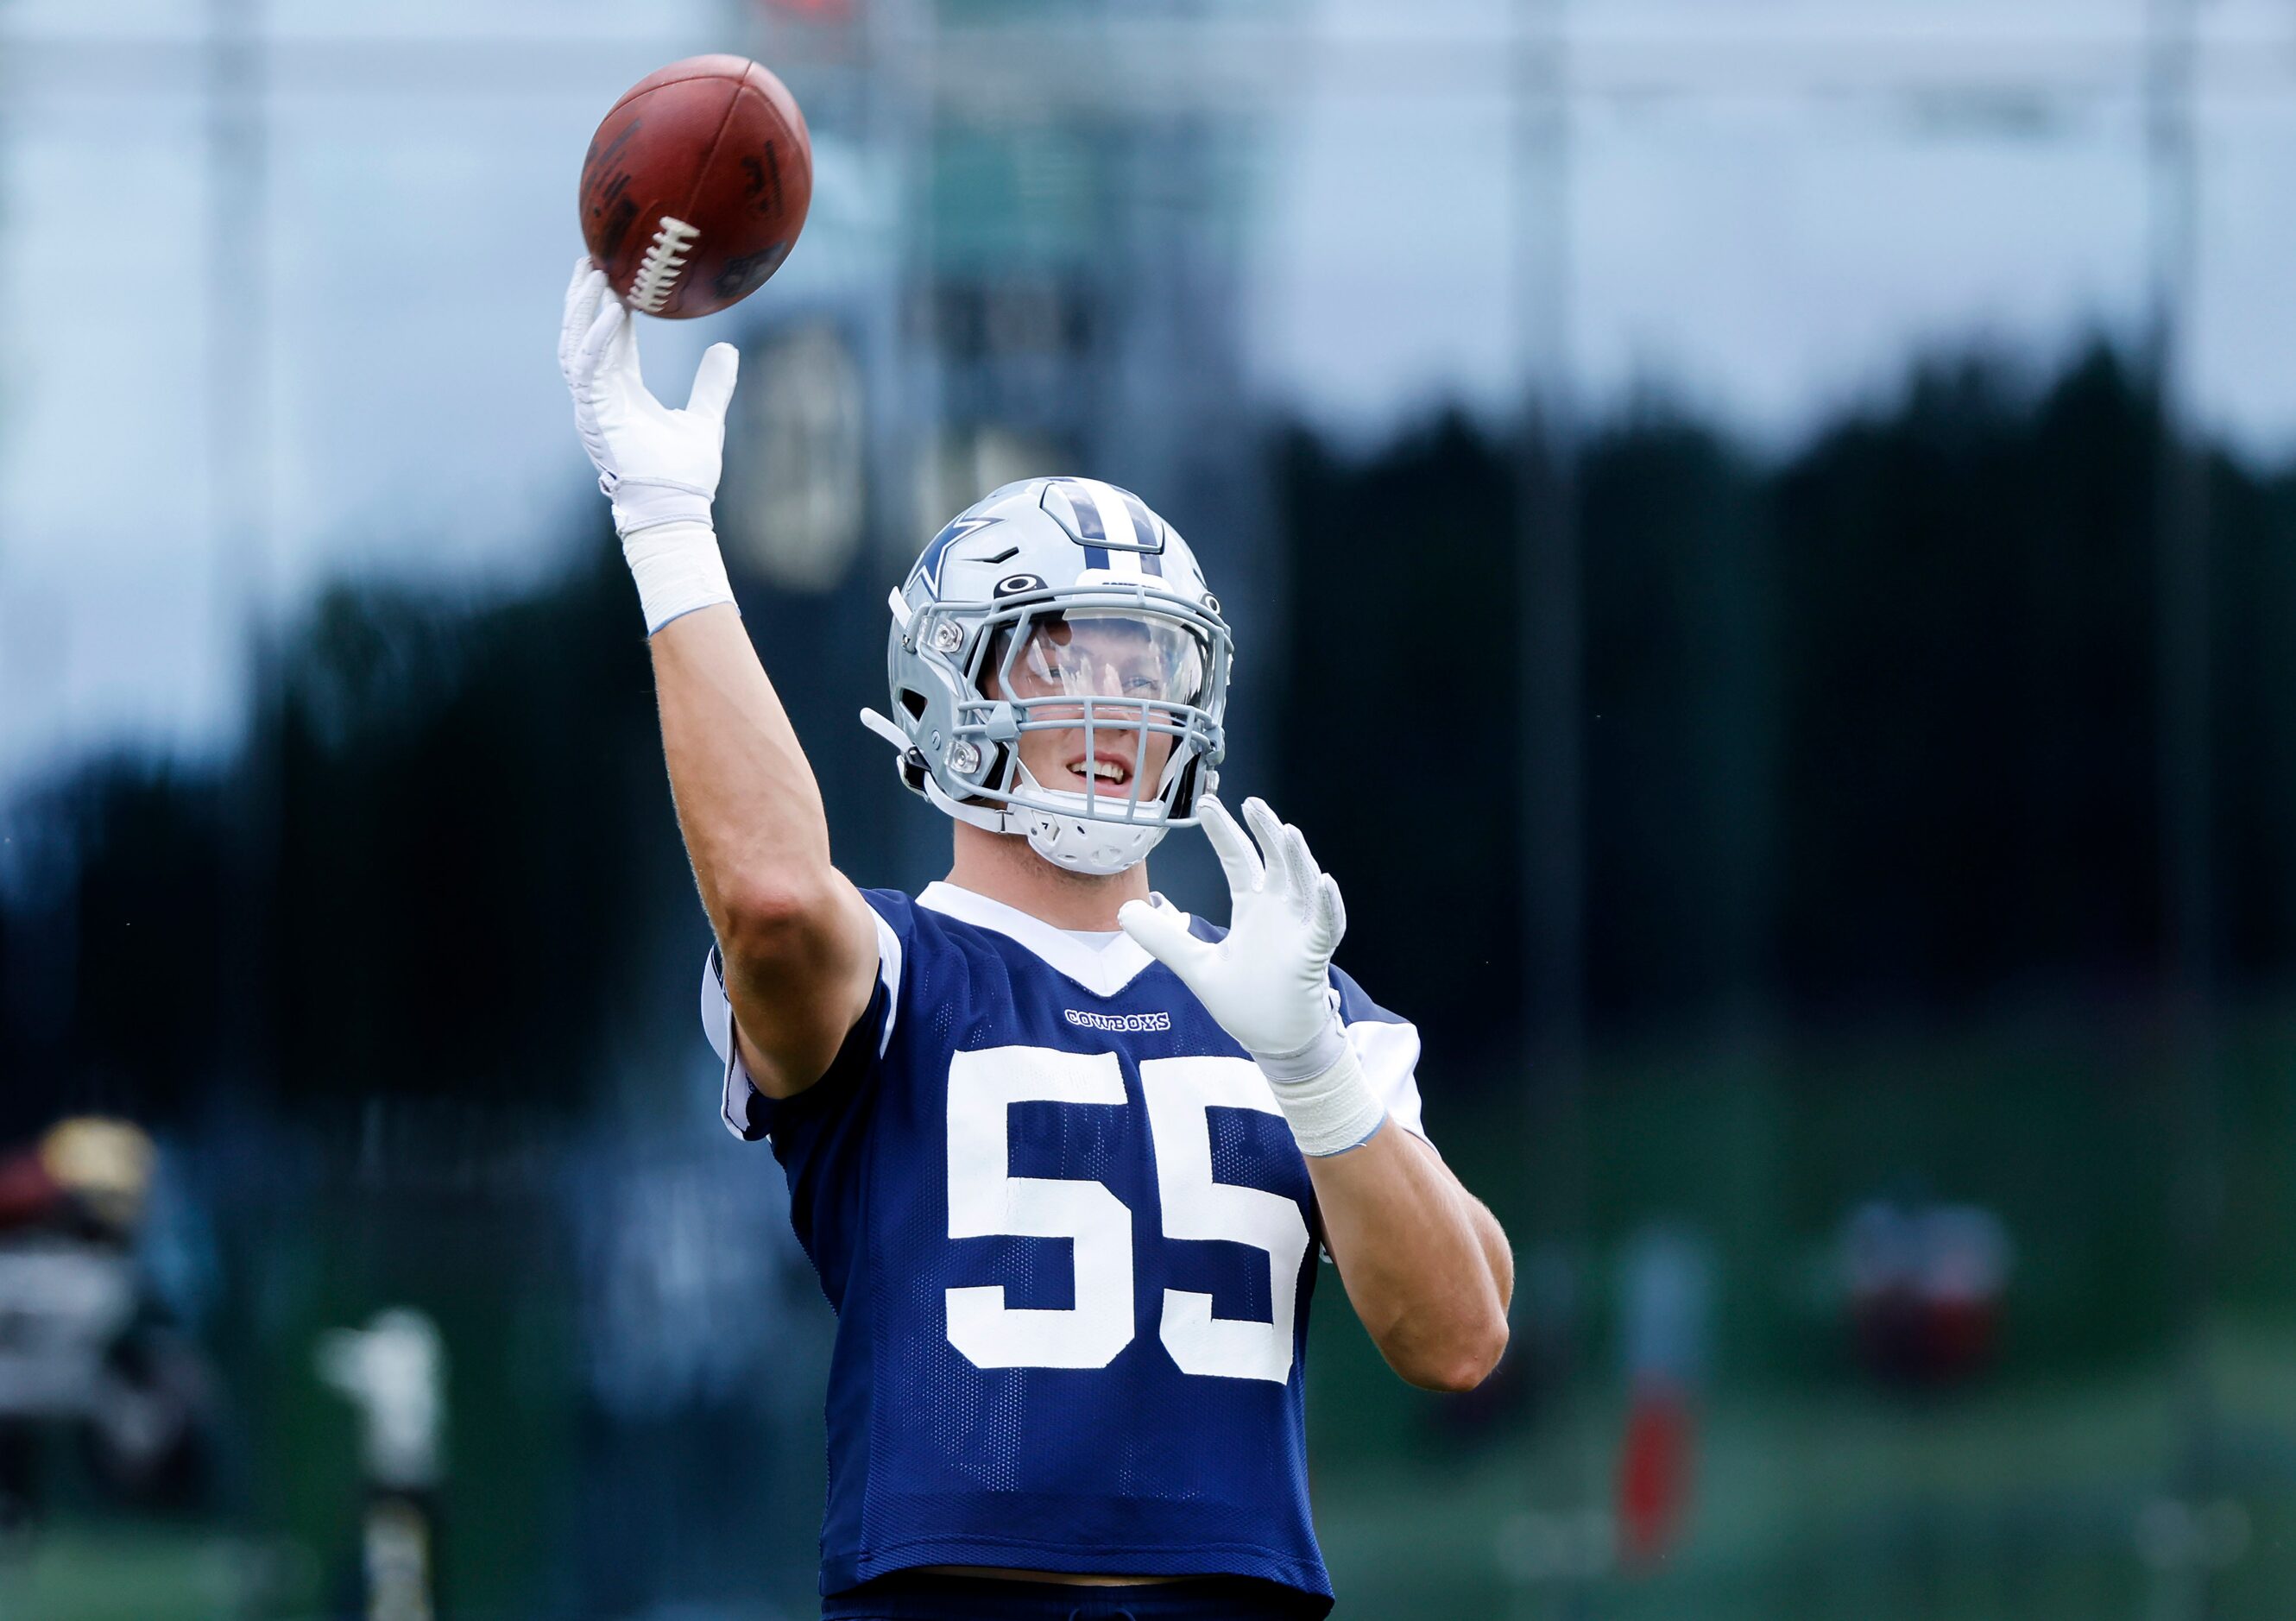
x=1133, y=1468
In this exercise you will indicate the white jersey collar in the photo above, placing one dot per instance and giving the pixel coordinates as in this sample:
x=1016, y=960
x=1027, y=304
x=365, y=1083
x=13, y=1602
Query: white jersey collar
x=1103, y=968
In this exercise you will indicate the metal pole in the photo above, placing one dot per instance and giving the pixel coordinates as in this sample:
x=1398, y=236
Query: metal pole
x=1550, y=670
x=238, y=455
x=2187, y=800
x=1548, y=552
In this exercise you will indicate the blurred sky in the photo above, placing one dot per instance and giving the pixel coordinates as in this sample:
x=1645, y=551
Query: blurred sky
x=1770, y=205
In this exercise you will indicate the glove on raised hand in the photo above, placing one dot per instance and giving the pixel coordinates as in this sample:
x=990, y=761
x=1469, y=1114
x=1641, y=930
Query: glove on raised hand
x=1268, y=982
x=660, y=467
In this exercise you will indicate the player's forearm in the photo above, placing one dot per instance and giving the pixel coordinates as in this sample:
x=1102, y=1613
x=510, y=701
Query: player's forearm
x=798, y=940
x=747, y=801
x=1418, y=1265
x=746, y=798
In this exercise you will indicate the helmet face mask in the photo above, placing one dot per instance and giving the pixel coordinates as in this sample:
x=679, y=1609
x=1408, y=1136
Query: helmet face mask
x=1098, y=709
x=1052, y=680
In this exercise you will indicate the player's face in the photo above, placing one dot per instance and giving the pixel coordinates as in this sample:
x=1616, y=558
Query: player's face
x=1121, y=664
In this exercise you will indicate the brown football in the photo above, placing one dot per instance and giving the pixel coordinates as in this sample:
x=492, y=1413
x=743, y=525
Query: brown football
x=696, y=184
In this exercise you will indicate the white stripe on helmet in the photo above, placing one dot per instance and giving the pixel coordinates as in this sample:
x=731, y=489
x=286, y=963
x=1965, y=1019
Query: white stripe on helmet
x=1115, y=515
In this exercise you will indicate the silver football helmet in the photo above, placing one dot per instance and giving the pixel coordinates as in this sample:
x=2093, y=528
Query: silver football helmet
x=1059, y=671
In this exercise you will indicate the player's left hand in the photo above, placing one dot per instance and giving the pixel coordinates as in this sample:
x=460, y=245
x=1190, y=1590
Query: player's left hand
x=660, y=466
x=1268, y=983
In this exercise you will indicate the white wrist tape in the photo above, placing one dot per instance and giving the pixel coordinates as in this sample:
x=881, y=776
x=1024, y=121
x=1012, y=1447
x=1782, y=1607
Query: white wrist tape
x=1333, y=1112
x=679, y=568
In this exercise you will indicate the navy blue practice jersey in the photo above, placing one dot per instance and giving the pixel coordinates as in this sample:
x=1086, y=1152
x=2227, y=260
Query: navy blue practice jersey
x=1068, y=1239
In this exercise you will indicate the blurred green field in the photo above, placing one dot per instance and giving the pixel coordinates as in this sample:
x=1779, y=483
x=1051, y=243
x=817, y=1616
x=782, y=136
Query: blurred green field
x=2024, y=1503
x=2034, y=1493
x=126, y=1572
x=2032, y=1504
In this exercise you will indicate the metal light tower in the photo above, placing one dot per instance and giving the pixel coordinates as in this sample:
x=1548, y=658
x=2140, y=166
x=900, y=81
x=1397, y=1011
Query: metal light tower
x=239, y=508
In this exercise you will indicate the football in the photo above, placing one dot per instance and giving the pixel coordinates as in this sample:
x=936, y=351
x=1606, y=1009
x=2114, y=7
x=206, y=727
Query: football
x=696, y=186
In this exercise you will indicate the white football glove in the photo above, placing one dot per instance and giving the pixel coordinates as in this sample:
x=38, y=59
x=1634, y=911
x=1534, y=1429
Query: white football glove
x=660, y=467
x=1268, y=982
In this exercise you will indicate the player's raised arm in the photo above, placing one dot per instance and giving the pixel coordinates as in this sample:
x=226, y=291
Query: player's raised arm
x=798, y=940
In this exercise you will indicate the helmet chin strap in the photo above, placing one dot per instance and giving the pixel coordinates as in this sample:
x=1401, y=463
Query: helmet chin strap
x=1079, y=843
x=988, y=818
x=1075, y=844
x=1094, y=848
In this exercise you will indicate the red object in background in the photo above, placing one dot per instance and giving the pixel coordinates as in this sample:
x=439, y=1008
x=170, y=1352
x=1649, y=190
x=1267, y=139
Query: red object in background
x=1654, y=1473
x=1926, y=1288
x=1963, y=1331
x=817, y=10
x=28, y=1195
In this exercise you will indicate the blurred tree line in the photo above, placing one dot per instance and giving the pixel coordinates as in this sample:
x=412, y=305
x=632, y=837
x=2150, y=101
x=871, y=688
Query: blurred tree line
x=1869, y=729
x=437, y=883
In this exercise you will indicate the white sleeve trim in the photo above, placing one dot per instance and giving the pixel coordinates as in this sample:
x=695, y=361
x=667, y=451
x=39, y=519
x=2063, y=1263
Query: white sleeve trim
x=718, y=1023
x=889, y=971
x=1388, y=1052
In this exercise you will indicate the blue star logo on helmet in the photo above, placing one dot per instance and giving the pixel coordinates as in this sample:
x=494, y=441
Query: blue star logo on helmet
x=928, y=568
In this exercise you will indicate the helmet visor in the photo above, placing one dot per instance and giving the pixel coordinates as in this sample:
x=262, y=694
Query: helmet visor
x=1111, y=655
